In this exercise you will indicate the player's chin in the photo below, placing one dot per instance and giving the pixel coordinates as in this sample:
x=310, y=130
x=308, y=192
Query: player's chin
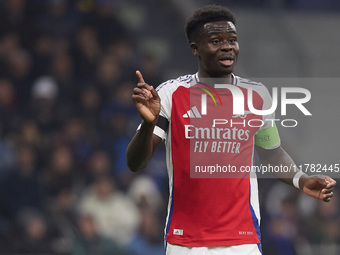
x=226, y=70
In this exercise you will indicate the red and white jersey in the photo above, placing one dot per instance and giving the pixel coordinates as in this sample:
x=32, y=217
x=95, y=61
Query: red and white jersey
x=210, y=204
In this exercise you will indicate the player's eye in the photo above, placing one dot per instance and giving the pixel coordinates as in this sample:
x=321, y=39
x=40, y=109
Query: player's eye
x=232, y=40
x=215, y=41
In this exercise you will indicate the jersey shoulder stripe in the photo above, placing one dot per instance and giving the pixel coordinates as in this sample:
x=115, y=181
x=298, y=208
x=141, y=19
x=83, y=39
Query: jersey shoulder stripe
x=165, y=92
x=239, y=81
x=261, y=89
x=185, y=79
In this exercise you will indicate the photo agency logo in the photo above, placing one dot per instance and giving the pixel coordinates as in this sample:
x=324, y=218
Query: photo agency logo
x=295, y=96
x=224, y=119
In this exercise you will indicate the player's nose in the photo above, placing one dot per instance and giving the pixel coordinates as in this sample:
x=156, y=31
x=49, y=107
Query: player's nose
x=225, y=46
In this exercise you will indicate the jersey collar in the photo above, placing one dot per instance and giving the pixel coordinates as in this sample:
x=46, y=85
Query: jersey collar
x=197, y=79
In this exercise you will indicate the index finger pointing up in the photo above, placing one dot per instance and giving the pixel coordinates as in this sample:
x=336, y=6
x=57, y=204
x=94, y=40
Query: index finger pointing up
x=140, y=77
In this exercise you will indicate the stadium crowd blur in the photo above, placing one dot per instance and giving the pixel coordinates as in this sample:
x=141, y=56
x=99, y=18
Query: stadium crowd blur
x=67, y=69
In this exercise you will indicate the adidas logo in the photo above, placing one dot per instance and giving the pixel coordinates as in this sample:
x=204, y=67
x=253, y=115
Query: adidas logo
x=178, y=232
x=193, y=113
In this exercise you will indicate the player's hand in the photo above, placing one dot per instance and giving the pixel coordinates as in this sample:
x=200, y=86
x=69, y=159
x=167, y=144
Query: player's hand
x=146, y=100
x=318, y=186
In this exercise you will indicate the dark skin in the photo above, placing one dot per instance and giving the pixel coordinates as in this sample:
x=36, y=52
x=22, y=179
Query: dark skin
x=216, y=49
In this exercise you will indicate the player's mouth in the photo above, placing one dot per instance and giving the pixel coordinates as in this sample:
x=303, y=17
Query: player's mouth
x=226, y=61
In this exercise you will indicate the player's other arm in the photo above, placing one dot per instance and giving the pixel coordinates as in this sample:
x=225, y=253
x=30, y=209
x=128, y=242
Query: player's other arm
x=317, y=186
x=144, y=143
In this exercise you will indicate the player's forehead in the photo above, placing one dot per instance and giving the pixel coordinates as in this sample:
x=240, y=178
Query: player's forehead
x=218, y=27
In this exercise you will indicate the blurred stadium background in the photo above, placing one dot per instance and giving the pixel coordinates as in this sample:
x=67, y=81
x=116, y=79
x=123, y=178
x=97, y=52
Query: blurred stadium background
x=67, y=69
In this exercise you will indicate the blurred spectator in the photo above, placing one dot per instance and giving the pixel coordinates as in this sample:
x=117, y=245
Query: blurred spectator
x=19, y=70
x=108, y=76
x=63, y=73
x=61, y=173
x=33, y=235
x=60, y=19
x=123, y=52
x=43, y=105
x=75, y=136
x=327, y=227
x=99, y=166
x=9, y=44
x=87, y=52
x=118, y=124
x=62, y=213
x=89, y=111
x=281, y=230
x=43, y=50
x=145, y=193
x=116, y=142
x=115, y=214
x=29, y=133
x=22, y=187
x=17, y=16
x=104, y=20
x=89, y=240
x=119, y=102
x=150, y=67
x=45, y=87
x=8, y=105
x=147, y=240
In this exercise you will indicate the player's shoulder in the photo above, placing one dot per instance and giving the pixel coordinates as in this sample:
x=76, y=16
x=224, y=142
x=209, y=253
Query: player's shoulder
x=239, y=81
x=248, y=84
x=172, y=84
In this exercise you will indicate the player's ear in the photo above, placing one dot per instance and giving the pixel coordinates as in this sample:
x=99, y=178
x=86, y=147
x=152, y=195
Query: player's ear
x=194, y=49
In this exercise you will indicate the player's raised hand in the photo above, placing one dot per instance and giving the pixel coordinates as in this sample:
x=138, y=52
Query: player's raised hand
x=319, y=186
x=146, y=100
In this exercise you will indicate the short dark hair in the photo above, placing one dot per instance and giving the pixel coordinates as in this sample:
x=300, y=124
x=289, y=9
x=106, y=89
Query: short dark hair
x=206, y=14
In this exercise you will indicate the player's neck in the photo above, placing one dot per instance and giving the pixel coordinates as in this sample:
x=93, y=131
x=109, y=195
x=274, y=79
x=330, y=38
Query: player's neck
x=208, y=80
